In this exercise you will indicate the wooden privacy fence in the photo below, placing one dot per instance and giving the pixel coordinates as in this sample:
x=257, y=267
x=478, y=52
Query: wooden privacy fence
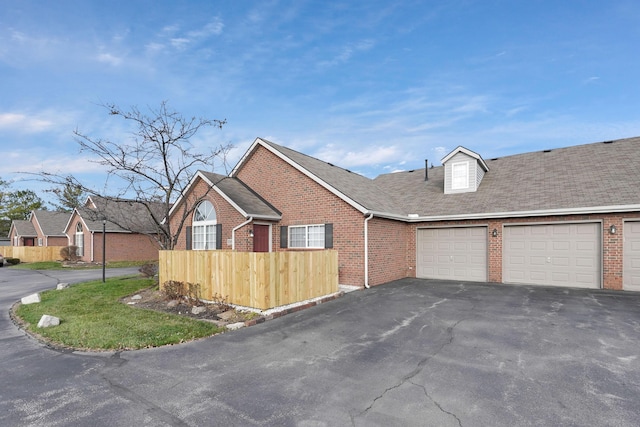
x=254, y=279
x=32, y=253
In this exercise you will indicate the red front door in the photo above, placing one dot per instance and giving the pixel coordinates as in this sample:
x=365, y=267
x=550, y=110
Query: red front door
x=260, y=238
x=29, y=241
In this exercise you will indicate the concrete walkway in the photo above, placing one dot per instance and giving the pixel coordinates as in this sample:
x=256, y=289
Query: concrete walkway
x=412, y=352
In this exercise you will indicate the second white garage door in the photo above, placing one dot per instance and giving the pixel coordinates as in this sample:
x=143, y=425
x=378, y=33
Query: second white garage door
x=452, y=253
x=552, y=254
x=631, y=272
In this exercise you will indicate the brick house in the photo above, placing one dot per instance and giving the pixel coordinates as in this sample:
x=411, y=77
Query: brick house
x=565, y=217
x=43, y=228
x=128, y=231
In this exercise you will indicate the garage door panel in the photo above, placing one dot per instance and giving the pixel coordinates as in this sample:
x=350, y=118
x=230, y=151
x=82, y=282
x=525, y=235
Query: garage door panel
x=537, y=246
x=538, y=260
x=453, y=253
x=553, y=254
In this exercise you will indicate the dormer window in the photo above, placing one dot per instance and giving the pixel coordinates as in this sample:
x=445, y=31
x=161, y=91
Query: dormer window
x=463, y=171
x=460, y=175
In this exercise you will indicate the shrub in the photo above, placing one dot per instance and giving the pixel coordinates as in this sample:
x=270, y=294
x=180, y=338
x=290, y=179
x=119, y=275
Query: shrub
x=69, y=253
x=149, y=269
x=12, y=261
x=173, y=289
x=190, y=292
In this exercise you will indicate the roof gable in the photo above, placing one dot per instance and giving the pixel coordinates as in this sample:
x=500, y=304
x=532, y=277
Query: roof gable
x=356, y=190
x=242, y=198
x=23, y=228
x=51, y=223
x=466, y=151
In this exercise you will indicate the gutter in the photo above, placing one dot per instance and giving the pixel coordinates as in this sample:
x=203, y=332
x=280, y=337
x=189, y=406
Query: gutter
x=366, y=251
x=412, y=218
x=233, y=232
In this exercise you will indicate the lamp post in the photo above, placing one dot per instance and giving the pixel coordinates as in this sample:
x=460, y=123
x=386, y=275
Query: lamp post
x=104, y=248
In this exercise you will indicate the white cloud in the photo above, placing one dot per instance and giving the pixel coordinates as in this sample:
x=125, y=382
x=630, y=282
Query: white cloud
x=109, y=59
x=213, y=28
x=24, y=123
x=365, y=157
x=346, y=52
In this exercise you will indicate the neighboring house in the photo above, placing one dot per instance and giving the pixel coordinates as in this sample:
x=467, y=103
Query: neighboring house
x=566, y=217
x=22, y=233
x=43, y=228
x=49, y=226
x=128, y=226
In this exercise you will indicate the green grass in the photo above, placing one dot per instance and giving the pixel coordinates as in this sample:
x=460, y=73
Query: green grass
x=92, y=318
x=57, y=265
x=46, y=265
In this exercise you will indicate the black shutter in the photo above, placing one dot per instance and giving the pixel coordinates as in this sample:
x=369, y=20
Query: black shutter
x=284, y=236
x=218, y=236
x=189, y=238
x=328, y=236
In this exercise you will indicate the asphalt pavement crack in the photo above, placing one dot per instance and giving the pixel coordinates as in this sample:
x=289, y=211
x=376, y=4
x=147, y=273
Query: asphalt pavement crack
x=435, y=402
x=415, y=372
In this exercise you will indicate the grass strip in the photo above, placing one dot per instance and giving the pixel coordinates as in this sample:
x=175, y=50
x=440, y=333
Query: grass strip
x=92, y=318
x=57, y=265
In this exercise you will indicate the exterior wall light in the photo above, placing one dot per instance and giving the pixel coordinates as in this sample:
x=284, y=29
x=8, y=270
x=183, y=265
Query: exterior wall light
x=612, y=229
x=494, y=233
x=250, y=233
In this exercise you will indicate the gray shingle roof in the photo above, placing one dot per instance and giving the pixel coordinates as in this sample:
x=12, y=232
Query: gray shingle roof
x=24, y=228
x=244, y=197
x=52, y=223
x=358, y=188
x=584, y=176
x=121, y=215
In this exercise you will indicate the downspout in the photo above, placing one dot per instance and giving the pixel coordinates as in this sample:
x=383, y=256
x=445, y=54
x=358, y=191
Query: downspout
x=366, y=251
x=92, y=245
x=233, y=232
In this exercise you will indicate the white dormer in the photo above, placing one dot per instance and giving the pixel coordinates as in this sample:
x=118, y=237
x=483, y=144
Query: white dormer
x=463, y=171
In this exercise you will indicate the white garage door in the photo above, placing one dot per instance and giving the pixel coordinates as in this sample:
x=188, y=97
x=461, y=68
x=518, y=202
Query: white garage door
x=452, y=253
x=554, y=254
x=631, y=271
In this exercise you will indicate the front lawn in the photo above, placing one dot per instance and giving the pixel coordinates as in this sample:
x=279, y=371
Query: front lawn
x=57, y=265
x=92, y=318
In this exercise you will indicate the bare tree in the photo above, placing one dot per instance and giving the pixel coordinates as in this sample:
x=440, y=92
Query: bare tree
x=155, y=167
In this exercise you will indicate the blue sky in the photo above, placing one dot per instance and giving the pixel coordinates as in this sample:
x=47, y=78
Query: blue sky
x=373, y=86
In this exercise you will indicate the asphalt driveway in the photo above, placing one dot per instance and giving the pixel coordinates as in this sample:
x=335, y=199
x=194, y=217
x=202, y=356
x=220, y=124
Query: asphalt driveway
x=411, y=352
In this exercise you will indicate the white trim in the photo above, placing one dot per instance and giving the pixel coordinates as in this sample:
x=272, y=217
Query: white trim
x=465, y=185
x=514, y=214
x=233, y=233
x=306, y=236
x=270, y=233
x=221, y=193
x=461, y=149
x=326, y=186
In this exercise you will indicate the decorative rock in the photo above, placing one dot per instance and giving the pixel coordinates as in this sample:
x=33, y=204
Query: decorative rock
x=173, y=303
x=31, y=299
x=198, y=310
x=62, y=286
x=47, y=321
x=136, y=297
x=234, y=326
x=131, y=303
x=227, y=314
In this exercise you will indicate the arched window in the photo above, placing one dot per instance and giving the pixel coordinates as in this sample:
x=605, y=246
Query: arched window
x=204, y=226
x=79, y=239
